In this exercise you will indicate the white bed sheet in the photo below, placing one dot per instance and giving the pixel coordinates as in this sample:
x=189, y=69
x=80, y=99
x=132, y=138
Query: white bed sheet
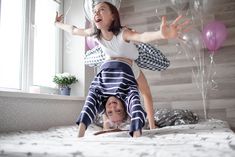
x=211, y=138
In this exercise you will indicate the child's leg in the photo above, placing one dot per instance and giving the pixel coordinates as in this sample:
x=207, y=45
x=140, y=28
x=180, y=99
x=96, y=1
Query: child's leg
x=148, y=100
x=81, y=129
x=136, y=111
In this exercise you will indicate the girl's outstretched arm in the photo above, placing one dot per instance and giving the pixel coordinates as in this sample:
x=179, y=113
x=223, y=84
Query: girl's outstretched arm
x=70, y=28
x=167, y=31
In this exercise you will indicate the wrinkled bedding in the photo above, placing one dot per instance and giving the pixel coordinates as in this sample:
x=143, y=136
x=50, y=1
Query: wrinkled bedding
x=205, y=139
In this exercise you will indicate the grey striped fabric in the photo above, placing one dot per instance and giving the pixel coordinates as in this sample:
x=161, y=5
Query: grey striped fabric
x=114, y=79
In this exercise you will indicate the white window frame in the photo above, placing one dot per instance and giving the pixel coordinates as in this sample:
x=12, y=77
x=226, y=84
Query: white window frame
x=27, y=49
x=30, y=40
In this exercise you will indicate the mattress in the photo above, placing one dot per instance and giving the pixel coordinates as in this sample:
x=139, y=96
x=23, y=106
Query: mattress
x=205, y=139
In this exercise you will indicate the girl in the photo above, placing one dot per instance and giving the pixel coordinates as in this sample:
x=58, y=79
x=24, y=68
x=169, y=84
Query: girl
x=116, y=42
x=113, y=92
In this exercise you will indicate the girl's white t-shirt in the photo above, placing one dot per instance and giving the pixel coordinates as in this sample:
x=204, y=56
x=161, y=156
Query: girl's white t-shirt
x=118, y=47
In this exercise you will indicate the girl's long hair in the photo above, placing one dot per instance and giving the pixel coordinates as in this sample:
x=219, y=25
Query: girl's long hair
x=115, y=27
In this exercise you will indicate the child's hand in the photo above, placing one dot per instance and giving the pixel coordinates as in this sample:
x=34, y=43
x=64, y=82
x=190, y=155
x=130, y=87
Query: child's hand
x=172, y=30
x=59, y=18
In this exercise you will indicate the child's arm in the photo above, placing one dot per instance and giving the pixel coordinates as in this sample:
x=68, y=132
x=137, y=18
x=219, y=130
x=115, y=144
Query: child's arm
x=166, y=32
x=70, y=28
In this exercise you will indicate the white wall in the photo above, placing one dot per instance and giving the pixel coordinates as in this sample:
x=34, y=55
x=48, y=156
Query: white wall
x=74, y=48
x=25, y=111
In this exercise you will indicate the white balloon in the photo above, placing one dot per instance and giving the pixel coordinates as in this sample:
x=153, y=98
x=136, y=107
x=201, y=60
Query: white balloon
x=87, y=6
x=180, y=5
x=193, y=37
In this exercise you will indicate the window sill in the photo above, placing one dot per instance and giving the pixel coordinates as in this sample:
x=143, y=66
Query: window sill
x=38, y=96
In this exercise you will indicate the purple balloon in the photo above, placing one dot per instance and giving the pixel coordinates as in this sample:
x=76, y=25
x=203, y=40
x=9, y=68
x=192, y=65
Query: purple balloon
x=214, y=34
x=91, y=42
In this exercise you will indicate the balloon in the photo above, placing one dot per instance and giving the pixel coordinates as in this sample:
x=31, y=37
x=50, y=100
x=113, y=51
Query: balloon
x=193, y=37
x=91, y=42
x=214, y=35
x=87, y=6
x=192, y=45
x=180, y=6
x=197, y=5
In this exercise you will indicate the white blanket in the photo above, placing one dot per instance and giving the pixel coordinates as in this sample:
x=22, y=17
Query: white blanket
x=212, y=138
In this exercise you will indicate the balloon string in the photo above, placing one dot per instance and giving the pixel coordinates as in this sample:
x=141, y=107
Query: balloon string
x=70, y=5
x=202, y=78
x=214, y=85
x=204, y=96
x=209, y=73
x=202, y=67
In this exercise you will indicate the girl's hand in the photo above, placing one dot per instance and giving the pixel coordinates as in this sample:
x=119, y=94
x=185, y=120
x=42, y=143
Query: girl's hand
x=172, y=31
x=59, y=18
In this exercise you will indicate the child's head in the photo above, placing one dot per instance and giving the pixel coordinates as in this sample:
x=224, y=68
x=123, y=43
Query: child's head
x=115, y=110
x=106, y=17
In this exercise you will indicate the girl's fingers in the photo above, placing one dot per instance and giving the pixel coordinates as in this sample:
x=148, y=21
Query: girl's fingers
x=187, y=29
x=61, y=16
x=176, y=20
x=163, y=20
x=185, y=23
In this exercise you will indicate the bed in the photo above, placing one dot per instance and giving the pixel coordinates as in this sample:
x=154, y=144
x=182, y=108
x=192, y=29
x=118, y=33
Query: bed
x=205, y=139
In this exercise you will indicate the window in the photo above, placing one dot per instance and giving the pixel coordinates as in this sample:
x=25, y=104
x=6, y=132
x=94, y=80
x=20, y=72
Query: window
x=11, y=46
x=45, y=38
x=30, y=43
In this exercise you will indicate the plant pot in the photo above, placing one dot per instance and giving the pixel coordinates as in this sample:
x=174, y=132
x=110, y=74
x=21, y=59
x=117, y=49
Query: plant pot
x=64, y=90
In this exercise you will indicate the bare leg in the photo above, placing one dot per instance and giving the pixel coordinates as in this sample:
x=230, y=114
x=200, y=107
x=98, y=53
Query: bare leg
x=81, y=129
x=148, y=100
x=136, y=134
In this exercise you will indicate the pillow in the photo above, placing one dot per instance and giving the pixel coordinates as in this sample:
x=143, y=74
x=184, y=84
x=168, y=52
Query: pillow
x=170, y=117
x=163, y=117
x=149, y=57
x=94, y=57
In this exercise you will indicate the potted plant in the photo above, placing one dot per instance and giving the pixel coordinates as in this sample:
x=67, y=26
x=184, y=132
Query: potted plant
x=64, y=81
